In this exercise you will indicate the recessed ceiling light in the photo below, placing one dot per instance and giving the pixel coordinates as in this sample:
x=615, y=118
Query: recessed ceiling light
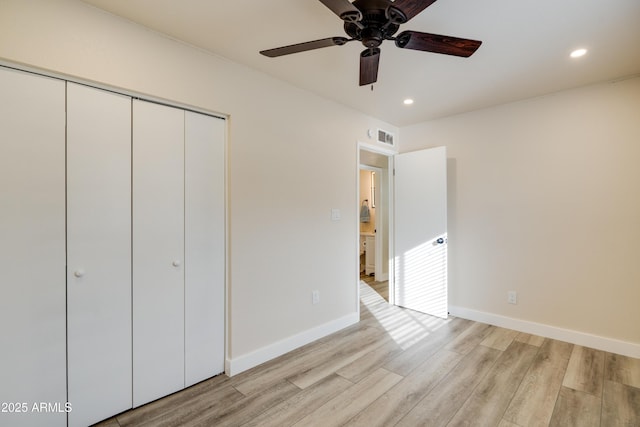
x=578, y=53
x=408, y=101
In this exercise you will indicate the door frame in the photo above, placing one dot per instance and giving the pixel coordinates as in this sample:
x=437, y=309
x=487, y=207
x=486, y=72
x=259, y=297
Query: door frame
x=389, y=154
x=381, y=214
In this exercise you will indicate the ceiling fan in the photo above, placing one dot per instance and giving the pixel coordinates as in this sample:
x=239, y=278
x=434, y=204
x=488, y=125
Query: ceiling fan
x=373, y=21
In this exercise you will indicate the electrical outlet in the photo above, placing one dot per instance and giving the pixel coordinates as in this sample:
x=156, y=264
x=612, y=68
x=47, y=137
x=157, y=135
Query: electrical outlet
x=512, y=297
x=315, y=297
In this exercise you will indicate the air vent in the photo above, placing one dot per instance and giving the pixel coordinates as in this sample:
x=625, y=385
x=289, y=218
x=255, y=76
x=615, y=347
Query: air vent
x=385, y=137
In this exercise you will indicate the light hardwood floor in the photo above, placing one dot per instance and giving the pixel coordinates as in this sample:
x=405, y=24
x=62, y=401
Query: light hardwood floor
x=401, y=368
x=381, y=288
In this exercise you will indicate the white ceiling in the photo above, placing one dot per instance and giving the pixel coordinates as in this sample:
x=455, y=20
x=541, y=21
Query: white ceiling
x=525, y=50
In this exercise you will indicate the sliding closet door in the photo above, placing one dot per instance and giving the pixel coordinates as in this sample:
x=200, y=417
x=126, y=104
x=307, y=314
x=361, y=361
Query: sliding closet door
x=98, y=253
x=158, y=251
x=32, y=248
x=204, y=246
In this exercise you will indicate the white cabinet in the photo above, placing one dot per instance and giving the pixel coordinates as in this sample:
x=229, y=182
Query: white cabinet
x=112, y=248
x=158, y=251
x=178, y=249
x=32, y=246
x=370, y=255
x=98, y=253
x=204, y=246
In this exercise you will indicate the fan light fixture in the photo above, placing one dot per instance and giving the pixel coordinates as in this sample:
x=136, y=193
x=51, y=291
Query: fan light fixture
x=578, y=53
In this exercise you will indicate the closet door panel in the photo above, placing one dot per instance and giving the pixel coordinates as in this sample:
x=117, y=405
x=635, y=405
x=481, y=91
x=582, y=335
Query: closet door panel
x=98, y=253
x=158, y=251
x=32, y=247
x=204, y=246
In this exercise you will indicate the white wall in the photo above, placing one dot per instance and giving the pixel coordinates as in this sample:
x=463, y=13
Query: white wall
x=544, y=199
x=283, y=244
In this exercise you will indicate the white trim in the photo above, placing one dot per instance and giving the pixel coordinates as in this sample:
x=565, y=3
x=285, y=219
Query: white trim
x=389, y=183
x=102, y=86
x=356, y=206
x=574, y=337
x=376, y=149
x=379, y=223
x=382, y=277
x=271, y=351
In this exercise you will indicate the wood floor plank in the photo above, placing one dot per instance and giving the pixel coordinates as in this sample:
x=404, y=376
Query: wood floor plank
x=304, y=360
x=441, y=404
x=623, y=369
x=382, y=288
x=406, y=327
x=389, y=408
x=183, y=412
x=535, y=399
x=576, y=409
x=534, y=340
x=505, y=423
x=489, y=400
x=470, y=338
x=413, y=357
x=111, y=422
x=302, y=404
x=349, y=403
x=370, y=361
x=585, y=371
x=361, y=344
x=242, y=411
x=499, y=338
x=620, y=405
x=215, y=388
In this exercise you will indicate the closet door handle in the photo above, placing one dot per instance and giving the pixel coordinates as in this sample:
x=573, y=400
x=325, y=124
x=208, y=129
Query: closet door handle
x=78, y=273
x=176, y=263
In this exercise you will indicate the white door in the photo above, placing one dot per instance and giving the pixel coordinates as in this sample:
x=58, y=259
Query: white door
x=98, y=253
x=204, y=246
x=32, y=248
x=158, y=251
x=420, y=218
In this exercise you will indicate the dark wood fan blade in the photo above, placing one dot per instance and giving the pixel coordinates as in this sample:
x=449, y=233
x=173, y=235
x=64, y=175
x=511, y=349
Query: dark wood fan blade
x=369, y=61
x=344, y=9
x=411, y=8
x=303, y=47
x=436, y=43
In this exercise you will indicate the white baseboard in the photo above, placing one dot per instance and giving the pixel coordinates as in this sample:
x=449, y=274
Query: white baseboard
x=247, y=361
x=574, y=337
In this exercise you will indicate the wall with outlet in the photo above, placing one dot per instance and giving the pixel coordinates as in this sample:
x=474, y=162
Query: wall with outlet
x=544, y=199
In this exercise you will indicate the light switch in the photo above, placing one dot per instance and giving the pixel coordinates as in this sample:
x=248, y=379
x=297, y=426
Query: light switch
x=335, y=214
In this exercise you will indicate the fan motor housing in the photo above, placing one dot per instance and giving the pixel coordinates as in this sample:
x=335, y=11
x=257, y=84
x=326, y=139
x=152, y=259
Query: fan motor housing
x=371, y=37
x=375, y=26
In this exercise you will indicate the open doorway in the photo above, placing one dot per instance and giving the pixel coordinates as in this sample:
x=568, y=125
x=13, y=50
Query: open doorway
x=374, y=209
x=411, y=242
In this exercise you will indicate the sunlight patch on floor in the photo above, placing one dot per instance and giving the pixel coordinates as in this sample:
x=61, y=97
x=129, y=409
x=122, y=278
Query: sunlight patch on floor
x=404, y=326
